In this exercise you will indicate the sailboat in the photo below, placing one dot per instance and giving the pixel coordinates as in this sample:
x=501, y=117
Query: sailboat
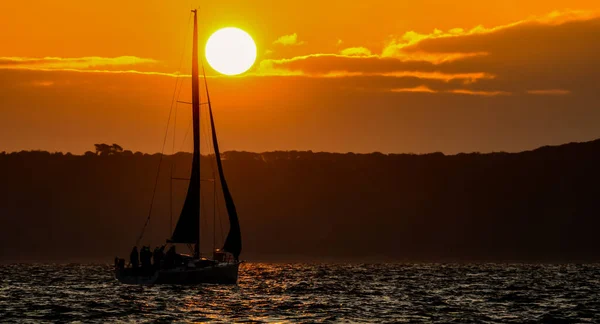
x=223, y=267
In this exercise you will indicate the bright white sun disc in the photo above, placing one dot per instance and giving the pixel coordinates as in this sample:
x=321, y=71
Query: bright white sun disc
x=230, y=51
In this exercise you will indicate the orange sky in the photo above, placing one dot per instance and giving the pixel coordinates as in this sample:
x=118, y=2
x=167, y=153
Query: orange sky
x=362, y=76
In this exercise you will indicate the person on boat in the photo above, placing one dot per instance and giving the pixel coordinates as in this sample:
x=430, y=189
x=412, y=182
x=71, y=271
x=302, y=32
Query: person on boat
x=134, y=257
x=158, y=256
x=170, y=257
x=121, y=264
x=145, y=257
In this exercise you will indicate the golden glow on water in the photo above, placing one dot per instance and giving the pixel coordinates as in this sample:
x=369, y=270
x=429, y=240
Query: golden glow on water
x=307, y=292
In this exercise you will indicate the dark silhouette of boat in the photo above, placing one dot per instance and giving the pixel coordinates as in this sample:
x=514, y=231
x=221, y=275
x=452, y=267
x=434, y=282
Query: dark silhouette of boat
x=222, y=268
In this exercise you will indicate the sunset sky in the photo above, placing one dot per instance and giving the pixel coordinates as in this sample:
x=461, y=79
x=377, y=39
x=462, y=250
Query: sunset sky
x=360, y=76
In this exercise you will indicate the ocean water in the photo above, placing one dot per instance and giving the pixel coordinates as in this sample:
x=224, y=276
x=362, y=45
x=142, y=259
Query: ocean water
x=482, y=293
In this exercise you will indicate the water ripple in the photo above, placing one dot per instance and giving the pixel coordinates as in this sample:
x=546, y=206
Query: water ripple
x=483, y=293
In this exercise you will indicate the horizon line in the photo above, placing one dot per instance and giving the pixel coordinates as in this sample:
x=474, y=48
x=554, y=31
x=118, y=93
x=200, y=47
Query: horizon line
x=127, y=152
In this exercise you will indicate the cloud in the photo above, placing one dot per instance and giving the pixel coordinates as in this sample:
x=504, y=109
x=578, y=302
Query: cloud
x=42, y=83
x=552, y=55
x=324, y=63
x=467, y=78
x=435, y=58
x=479, y=93
x=533, y=55
x=420, y=88
x=338, y=65
x=549, y=92
x=558, y=51
x=396, y=45
x=356, y=51
x=288, y=40
x=80, y=63
x=426, y=89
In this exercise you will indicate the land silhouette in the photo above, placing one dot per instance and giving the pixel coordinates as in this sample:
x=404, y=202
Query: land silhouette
x=539, y=205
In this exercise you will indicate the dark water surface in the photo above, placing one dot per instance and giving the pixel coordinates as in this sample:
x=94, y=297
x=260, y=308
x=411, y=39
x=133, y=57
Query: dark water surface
x=485, y=293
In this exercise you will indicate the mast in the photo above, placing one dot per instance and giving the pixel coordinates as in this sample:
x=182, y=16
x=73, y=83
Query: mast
x=187, y=229
x=196, y=117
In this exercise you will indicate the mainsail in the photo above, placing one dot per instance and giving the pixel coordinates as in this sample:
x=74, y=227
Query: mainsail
x=187, y=229
x=233, y=242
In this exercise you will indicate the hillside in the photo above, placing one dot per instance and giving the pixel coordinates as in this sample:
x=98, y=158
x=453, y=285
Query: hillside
x=540, y=205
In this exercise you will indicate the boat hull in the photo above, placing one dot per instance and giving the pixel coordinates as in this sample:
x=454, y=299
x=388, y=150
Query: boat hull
x=225, y=273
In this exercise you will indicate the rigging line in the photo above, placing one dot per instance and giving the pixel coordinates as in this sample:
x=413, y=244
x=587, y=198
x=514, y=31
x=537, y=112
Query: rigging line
x=173, y=151
x=176, y=105
x=186, y=134
x=180, y=83
x=137, y=242
x=214, y=213
x=208, y=141
x=203, y=210
x=207, y=138
x=174, y=140
x=172, y=171
x=220, y=219
x=216, y=209
x=213, y=162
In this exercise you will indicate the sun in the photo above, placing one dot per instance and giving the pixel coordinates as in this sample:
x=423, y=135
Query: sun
x=230, y=51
